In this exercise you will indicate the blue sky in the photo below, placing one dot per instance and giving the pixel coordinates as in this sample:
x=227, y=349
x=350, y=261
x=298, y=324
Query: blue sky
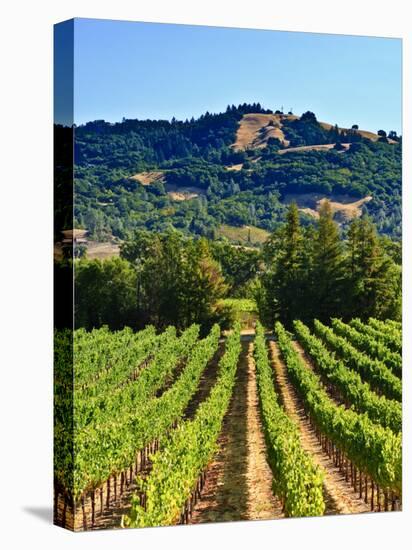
x=149, y=70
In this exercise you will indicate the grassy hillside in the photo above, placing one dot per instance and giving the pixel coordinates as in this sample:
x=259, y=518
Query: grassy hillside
x=245, y=235
x=232, y=169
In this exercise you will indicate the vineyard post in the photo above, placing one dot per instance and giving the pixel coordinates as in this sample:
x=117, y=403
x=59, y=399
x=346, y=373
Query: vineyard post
x=360, y=484
x=108, y=493
x=93, y=506
x=84, y=515
x=64, y=512
x=56, y=503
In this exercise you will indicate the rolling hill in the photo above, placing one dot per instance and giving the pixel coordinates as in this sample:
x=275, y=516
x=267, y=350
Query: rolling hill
x=234, y=169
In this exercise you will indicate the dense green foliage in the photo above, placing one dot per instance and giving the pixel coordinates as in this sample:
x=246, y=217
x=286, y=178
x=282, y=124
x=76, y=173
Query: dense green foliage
x=196, y=153
x=163, y=279
x=188, y=451
x=387, y=413
x=317, y=272
x=128, y=416
x=376, y=373
x=370, y=345
x=301, y=272
x=375, y=450
x=297, y=481
x=103, y=359
x=105, y=293
x=391, y=335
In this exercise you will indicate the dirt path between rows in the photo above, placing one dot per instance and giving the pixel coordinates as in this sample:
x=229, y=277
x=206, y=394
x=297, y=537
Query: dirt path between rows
x=262, y=504
x=329, y=388
x=239, y=480
x=339, y=496
x=206, y=383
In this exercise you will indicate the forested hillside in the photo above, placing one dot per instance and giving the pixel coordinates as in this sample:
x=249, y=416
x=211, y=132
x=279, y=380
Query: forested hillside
x=189, y=175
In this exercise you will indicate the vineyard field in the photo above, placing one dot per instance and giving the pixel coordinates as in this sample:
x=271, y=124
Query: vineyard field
x=181, y=427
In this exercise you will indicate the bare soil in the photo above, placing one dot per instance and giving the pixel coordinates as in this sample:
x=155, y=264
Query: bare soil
x=239, y=480
x=340, y=498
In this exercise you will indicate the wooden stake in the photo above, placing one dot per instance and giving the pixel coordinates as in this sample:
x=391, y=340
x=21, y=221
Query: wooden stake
x=360, y=484
x=93, y=506
x=108, y=493
x=64, y=512
x=56, y=506
x=84, y=515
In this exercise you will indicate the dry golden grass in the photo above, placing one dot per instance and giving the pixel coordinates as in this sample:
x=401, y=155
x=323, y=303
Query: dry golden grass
x=242, y=234
x=344, y=207
x=147, y=178
x=254, y=132
x=102, y=251
x=235, y=167
x=364, y=133
x=324, y=147
x=183, y=193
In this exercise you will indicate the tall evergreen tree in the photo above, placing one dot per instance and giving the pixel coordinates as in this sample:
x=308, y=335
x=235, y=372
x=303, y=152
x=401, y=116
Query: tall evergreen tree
x=284, y=284
x=374, y=278
x=328, y=266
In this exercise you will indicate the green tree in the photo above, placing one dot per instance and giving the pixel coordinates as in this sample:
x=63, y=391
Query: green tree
x=239, y=266
x=374, y=281
x=105, y=293
x=284, y=285
x=178, y=281
x=328, y=266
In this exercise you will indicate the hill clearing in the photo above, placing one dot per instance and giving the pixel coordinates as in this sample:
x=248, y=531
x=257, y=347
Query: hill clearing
x=255, y=129
x=245, y=235
x=344, y=207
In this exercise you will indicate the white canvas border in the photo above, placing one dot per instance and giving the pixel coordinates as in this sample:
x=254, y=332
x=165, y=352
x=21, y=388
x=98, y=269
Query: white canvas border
x=26, y=274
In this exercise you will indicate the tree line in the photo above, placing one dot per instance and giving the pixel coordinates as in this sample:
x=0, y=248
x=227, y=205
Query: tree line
x=302, y=272
x=316, y=272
